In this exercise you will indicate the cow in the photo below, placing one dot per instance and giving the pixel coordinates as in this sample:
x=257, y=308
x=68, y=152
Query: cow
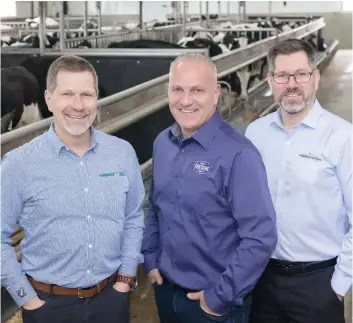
x=19, y=98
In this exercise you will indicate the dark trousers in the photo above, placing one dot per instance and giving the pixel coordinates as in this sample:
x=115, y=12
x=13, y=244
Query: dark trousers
x=298, y=298
x=175, y=307
x=109, y=306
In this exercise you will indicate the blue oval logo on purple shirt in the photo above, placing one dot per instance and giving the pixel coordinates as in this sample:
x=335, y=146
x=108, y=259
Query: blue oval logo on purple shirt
x=201, y=167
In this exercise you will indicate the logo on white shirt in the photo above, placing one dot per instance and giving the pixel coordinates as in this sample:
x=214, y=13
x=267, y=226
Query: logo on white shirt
x=310, y=156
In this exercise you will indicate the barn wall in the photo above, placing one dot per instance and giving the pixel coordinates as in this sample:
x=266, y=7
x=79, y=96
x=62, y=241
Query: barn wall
x=159, y=9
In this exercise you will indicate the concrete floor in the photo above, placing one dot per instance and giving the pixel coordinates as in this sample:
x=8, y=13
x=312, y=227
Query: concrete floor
x=335, y=94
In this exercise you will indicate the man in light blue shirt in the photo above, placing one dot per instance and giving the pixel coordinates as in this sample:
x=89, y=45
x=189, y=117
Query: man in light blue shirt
x=77, y=194
x=307, y=155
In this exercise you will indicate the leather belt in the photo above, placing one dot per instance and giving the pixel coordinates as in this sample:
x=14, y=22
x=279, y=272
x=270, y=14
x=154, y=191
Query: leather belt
x=295, y=268
x=79, y=292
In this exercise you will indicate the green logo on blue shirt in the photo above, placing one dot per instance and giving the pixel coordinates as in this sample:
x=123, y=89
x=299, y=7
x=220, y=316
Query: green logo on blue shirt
x=112, y=174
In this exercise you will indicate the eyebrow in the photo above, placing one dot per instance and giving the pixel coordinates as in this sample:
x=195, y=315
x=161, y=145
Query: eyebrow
x=298, y=70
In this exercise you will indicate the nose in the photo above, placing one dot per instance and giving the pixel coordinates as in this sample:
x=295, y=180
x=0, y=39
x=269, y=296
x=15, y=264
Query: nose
x=292, y=81
x=77, y=103
x=186, y=100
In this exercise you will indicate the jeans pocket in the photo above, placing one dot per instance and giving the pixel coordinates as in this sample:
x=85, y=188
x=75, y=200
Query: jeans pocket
x=213, y=318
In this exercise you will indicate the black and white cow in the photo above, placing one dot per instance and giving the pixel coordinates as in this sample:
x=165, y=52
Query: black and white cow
x=19, y=98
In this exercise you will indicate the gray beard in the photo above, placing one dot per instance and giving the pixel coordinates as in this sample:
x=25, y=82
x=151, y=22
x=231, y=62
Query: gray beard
x=297, y=108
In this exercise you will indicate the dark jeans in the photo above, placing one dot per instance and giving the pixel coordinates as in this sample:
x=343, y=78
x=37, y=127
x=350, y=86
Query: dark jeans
x=175, y=307
x=109, y=306
x=301, y=298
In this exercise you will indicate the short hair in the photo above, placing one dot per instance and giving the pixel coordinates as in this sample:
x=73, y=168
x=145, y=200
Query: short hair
x=195, y=56
x=70, y=63
x=291, y=46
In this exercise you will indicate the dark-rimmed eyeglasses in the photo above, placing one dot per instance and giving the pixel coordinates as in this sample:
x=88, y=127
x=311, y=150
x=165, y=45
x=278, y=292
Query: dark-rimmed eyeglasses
x=283, y=78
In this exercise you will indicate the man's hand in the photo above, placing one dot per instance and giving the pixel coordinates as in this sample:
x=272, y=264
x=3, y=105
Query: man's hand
x=340, y=297
x=154, y=276
x=33, y=304
x=122, y=287
x=204, y=307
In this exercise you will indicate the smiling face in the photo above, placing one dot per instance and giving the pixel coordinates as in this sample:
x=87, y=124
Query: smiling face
x=294, y=97
x=193, y=94
x=73, y=102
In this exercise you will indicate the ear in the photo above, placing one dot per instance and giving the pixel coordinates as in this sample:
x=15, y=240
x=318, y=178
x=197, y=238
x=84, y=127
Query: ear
x=316, y=79
x=48, y=97
x=217, y=93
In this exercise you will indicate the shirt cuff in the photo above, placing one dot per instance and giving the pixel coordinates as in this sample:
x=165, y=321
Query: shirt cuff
x=150, y=262
x=128, y=267
x=341, y=282
x=22, y=291
x=214, y=303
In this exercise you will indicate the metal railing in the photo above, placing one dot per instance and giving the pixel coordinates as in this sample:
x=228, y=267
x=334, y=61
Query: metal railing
x=142, y=100
x=238, y=32
x=170, y=33
x=53, y=30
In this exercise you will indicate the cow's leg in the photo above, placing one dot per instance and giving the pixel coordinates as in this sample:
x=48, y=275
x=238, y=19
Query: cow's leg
x=243, y=75
x=6, y=121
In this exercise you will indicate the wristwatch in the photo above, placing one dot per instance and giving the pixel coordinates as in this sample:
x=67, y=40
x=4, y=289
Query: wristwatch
x=131, y=281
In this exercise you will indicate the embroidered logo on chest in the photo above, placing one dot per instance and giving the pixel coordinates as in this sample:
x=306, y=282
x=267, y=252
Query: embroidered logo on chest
x=201, y=167
x=310, y=156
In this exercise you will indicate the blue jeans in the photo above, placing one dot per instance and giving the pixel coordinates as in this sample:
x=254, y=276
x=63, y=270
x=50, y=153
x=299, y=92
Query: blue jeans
x=175, y=307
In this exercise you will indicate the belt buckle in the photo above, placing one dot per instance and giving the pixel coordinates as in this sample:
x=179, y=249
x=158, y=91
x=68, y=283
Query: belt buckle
x=98, y=288
x=78, y=293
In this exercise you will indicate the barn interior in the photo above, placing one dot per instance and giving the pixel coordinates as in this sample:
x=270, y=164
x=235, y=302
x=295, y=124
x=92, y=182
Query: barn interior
x=131, y=45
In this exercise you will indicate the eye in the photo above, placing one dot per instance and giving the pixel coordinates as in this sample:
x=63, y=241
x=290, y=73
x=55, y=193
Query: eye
x=177, y=90
x=87, y=94
x=198, y=90
x=303, y=74
x=281, y=75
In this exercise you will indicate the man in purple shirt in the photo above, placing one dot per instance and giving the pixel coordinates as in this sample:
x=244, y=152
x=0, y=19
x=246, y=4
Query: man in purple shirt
x=211, y=229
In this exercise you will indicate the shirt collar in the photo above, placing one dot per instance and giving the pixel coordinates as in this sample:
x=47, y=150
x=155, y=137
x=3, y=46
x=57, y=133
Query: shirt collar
x=311, y=120
x=205, y=134
x=58, y=144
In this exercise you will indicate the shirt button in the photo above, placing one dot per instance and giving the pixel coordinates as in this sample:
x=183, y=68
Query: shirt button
x=86, y=189
x=81, y=163
x=88, y=217
x=88, y=271
x=176, y=176
x=183, y=150
x=89, y=245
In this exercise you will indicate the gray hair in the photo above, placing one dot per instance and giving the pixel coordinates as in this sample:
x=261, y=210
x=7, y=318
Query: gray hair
x=195, y=56
x=291, y=46
x=70, y=63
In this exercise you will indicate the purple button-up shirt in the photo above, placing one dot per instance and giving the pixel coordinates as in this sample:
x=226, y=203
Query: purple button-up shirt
x=211, y=222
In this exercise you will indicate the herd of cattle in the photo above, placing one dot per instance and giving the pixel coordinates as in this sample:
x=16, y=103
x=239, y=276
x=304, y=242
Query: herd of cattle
x=22, y=87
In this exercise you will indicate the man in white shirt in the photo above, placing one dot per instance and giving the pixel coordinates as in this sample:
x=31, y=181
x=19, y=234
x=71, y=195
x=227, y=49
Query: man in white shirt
x=307, y=154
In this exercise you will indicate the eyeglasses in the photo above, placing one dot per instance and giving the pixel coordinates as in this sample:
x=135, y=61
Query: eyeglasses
x=300, y=77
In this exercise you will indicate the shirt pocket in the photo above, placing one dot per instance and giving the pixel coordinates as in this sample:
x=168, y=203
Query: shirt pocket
x=314, y=168
x=111, y=194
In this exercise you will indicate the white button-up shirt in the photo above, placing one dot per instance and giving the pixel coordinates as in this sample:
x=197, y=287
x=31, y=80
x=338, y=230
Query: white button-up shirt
x=309, y=171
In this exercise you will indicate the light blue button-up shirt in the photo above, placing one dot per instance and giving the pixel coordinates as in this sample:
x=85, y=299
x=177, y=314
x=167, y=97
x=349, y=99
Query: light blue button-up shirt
x=309, y=171
x=82, y=216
